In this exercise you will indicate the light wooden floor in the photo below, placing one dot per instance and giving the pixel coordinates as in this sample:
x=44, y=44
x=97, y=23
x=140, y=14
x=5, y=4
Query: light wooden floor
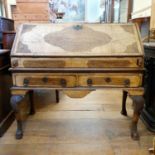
x=89, y=126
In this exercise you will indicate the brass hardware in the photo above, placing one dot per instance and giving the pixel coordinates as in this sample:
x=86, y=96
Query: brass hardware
x=127, y=82
x=63, y=82
x=26, y=82
x=152, y=34
x=78, y=27
x=139, y=62
x=45, y=79
x=15, y=63
x=89, y=82
x=108, y=80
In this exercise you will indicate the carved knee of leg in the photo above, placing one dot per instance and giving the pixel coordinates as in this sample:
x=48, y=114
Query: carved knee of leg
x=15, y=99
x=138, y=103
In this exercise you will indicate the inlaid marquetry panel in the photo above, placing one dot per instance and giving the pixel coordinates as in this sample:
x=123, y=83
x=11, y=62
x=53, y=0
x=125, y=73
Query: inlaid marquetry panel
x=125, y=62
x=77, y=40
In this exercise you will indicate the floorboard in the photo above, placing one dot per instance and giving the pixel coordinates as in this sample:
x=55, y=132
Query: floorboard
x=89, y=126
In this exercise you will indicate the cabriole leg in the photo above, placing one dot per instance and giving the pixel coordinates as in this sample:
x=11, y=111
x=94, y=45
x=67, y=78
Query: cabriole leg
x=57, y=96
x=15, y=101
x=19, y=131
x=31, y=97
x=124, y=111
x=138, y=103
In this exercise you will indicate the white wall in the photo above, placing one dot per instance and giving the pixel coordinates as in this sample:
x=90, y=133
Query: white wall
x=141, y=8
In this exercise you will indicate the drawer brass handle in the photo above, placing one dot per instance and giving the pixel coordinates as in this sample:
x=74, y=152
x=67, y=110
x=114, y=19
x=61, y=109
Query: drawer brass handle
x=108, y=80
x=63, y=82
x=26, y=82
x=45, y=79
x=127, y=82
x=89, y=82
x=15, y=63
x=139, y=62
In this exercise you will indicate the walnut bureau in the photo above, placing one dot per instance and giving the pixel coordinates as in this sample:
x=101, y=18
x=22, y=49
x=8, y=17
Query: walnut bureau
x=77, y=59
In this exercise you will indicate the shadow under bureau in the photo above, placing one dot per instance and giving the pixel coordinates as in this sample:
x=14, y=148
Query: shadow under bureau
x=77, y=59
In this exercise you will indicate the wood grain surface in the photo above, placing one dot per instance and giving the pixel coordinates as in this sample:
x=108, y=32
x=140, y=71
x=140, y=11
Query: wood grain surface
x=126, y=62
x=78, y=40
x=37, y=8
x=89, y=126
x=78, y=80
x=34, y=1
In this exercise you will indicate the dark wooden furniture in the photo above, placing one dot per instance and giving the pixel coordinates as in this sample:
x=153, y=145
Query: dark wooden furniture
x=77, y=59
x=8, y=39
x=6, y=113
x=5, y=25
x=148, y=114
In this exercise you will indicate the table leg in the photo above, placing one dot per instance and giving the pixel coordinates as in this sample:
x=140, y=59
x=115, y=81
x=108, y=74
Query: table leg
x=15, y=101
x=57, y=96
x=138, y=103
x=31, y=97
x=124, y=111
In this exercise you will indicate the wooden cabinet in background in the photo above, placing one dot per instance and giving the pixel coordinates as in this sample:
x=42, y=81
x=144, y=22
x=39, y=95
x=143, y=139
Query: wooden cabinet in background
x=148, y=115
x=30, y=11
x=5, y=25
x=6, y=113
x=8, y=39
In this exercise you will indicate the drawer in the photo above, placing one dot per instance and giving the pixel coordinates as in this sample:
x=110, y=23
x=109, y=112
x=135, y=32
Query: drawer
x=59, y=80
x=110, y=80
x=126, y=62
x=44, y=80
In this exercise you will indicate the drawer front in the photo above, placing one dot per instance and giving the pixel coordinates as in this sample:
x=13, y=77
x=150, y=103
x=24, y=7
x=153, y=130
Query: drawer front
x=78, y=62
x=93, y=80
x=110, y=80
x=45, y=81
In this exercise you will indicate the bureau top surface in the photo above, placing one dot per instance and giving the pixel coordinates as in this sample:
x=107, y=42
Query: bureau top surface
x=77, y=40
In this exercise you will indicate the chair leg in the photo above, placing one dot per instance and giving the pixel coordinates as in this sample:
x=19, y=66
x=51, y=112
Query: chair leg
x=124, y=111
x=32, y=108
x=15, y=102
x=138, y=103
x=57, y=96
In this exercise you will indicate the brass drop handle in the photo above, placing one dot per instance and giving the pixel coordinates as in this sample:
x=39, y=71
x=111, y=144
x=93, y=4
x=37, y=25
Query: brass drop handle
x=63, y=82
x=26, y=82
x=139, y=62
x=108, y=80
x=89, y=82
x=127, y=82
x=15, y=63
x=45, y=79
